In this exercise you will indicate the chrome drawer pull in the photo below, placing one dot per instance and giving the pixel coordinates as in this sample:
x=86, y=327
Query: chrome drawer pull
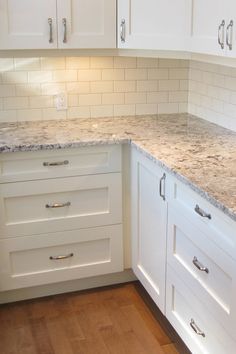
x=196, y=329
x=50, y=30
x=199, y=265
x=57, y=205
x=162, y=187
x=221, y=34
x=59, y=163
x=122, y=31
x=202, y=213
x=58, y=258
x=229, y=35
x=65, y=30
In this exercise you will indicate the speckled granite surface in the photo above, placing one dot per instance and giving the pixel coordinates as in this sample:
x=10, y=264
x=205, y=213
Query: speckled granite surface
x=201, y=154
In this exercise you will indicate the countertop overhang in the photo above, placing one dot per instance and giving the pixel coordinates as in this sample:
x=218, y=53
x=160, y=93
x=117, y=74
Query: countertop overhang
x=199, y=153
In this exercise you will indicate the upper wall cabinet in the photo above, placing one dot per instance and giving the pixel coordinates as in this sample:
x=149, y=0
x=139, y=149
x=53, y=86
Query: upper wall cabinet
x=154, y=24
x=47, y=24
x=213, y=27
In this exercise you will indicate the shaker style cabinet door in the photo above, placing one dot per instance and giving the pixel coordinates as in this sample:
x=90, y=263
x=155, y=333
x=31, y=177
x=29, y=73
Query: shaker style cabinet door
x=86, y=23
x=148, y=223
x=154, y=24
x=28, y=24
x=209, y=27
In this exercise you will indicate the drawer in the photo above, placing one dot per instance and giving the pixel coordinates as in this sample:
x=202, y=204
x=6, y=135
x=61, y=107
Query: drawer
x=36, y=207
x=219, y=228
x=193, y=322
x=207, y=270
x=22, y=166
x=57, y=257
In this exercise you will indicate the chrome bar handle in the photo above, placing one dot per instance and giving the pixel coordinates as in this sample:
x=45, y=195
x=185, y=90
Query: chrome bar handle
x=57, y=205
x=50, y=30
x=162, y=187
x=122, y=31
x=221, y=34
x=200, y=266
x=202, y=213
x=59, y=163
x=58, y=258
x=229, y=35
x=65, y=30
x=196, y=328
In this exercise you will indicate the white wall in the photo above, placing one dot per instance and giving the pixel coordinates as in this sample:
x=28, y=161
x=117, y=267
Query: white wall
x=96, y=87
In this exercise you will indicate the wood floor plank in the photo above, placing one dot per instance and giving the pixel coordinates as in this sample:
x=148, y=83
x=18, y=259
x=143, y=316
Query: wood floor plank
x=112, y=320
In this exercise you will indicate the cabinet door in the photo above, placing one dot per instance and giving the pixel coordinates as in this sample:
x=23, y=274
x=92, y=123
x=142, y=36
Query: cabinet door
x=28, y=24
x=208, y=27
x=86, y=23
x=230, y=10
x=154, y=24
x=149, y=217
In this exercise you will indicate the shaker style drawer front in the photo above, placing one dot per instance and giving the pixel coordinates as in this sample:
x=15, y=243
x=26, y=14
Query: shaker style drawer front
x=56, y=257
x=210, y=220
x=22, y=166
x=36, y=207
x=192, y=320
x=207, y=270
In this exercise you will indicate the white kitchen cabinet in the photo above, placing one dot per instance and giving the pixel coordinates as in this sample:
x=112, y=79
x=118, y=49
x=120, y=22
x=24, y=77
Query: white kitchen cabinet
x=61, y=215
x=86, y=23
x=42, y=24
x=154, y=24
x=148, y=223
x=213, y=27
x=25, y=24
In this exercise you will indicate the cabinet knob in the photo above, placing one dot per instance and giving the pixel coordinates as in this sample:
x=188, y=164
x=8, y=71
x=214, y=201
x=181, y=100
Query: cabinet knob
x=64, y=23
x=199, y=265
x=201, y=212
x=57, y=205
x=196, y=328
x=59, y=258
x=162, y=187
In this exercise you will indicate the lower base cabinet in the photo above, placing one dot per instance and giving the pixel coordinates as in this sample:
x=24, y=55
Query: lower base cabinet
x=192, y=320
x=149, y=219
x=49, y=258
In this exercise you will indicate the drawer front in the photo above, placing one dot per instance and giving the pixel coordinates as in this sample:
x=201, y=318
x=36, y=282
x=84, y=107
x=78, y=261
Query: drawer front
x=22, y=166
x=36, y=207
x=56, y=257
x=208, y=271
x=219, y=227
x=192, y=320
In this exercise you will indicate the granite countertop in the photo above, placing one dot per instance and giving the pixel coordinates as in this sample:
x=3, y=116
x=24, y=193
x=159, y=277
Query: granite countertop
x=201, y=154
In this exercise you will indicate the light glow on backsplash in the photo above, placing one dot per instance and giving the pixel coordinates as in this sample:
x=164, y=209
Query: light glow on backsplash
x=96, y=87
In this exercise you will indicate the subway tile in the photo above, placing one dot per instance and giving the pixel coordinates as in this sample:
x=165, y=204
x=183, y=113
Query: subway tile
x=39, y=76
x=14, y=77
x=113, y=74
x=90, y=99
x=41, y=101
x=64, y=75
x=53, y=63
x=135, y=74
x=169, y=85
x=113, y=98
x=53, y=88
x=102, y=111
x=135, y=97
x=7, y=90
x=147, y=62
x=78, y=87
x=78, y=112
x=147, y=85
x=124, y=110
x=8, y=116
x=168, y=108
x=157, y=97
x=53, y=114
x=28, y=90
x=102, y=86
x=25, y=64
x=181, y=74
x=179, y=96
x=155, y=74
x=77, y=62
x=146, y=108
x=29, y=115
x=125, y=62
x=6, y=64
x=15, y=103
x=89, y=75
x=101, y=62
x=124, y=86
x=73, y=100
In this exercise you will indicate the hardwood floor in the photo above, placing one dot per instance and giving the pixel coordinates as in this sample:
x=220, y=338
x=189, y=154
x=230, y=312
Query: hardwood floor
x=112, y=320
